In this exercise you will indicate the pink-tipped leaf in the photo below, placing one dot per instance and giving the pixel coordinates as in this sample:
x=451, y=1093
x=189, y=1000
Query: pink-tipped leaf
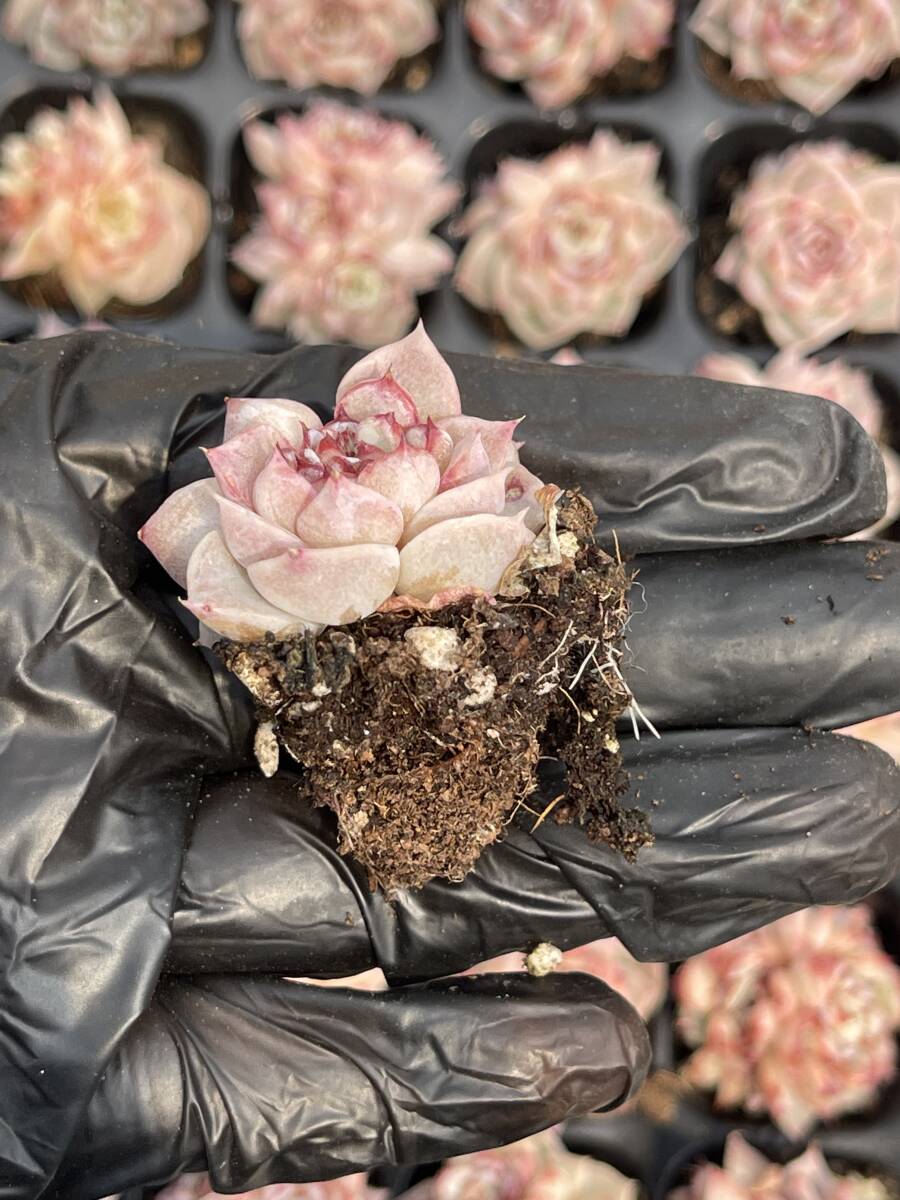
x=289, y=417
x=180, y=522
x=223, y=598
x=342, y=513
x=250, y=538
x=281, y=490
x=237, y=462
x=485, y=495
x=373, y=397
x=470, y=460
x=417, y=366
x=409, y=477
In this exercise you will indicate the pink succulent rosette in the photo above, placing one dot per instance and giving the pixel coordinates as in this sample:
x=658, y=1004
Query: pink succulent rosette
x=745, y=1174
x=346, y=43
x=84, y=198
x=851, y=387
x=305, y=525
x=644, y=985
x=814, y=51
x=536, y=1168
x=798, y=1020
x=343, y=246
x=199, y=1187
x=557, y=48
x=115, y=36
x=572, y=243
x=817, y=244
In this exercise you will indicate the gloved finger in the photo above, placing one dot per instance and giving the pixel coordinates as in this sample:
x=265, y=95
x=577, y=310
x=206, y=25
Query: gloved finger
x=264, y=1080
x=671, y=465
x=749, y=825
x=786, y=635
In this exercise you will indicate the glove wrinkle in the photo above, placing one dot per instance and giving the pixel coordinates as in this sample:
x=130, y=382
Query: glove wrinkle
x=750, y=825
x=350, y=1079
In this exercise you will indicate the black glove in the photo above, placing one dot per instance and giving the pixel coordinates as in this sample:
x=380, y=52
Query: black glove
x=117, y=731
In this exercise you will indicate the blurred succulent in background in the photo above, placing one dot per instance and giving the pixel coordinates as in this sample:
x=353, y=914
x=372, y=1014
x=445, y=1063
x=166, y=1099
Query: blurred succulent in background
x=815, y=53
x=557, y=48
x=572, y=243
x=851, y=387
x=536, y=1168
x=342, y=245
x=346, y=43
x=798, y=1020
x=817, y=244
x=644, y=985
x=305, y=524
x=114, y=36
x=746, y=1174
x=350, y=1187
x=85, y=199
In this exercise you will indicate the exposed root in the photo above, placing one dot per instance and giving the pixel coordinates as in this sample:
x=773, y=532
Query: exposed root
x=422, y=730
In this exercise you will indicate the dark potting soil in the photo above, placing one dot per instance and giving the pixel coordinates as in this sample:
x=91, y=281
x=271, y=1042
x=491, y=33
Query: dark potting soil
x=423, y=730
x=721, y=304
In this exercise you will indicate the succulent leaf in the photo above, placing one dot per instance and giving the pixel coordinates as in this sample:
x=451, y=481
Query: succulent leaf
x=301, y=525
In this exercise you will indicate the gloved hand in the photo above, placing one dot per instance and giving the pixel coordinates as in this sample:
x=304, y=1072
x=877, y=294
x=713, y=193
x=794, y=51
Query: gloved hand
x=122, y=744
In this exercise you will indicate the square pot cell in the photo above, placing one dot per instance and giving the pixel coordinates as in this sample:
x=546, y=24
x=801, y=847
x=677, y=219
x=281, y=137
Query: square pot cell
x=724, y=169
x=243, y=178
x=184, y=149
x=412, y=74
x=535, y=138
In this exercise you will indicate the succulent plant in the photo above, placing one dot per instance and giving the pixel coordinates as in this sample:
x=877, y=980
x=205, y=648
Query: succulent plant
x=851, y=387
x=81, y=196
x=572, y=243
x=746, y=1174
x=306, y=525
x=343, y=243
x=797, y=1020
x=644, y=985
x=536, y=1168
x=815, y=53
x=346, y=43
x=817, y=244
x=557, y=48
x=198, y=1186
x=114, y=36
